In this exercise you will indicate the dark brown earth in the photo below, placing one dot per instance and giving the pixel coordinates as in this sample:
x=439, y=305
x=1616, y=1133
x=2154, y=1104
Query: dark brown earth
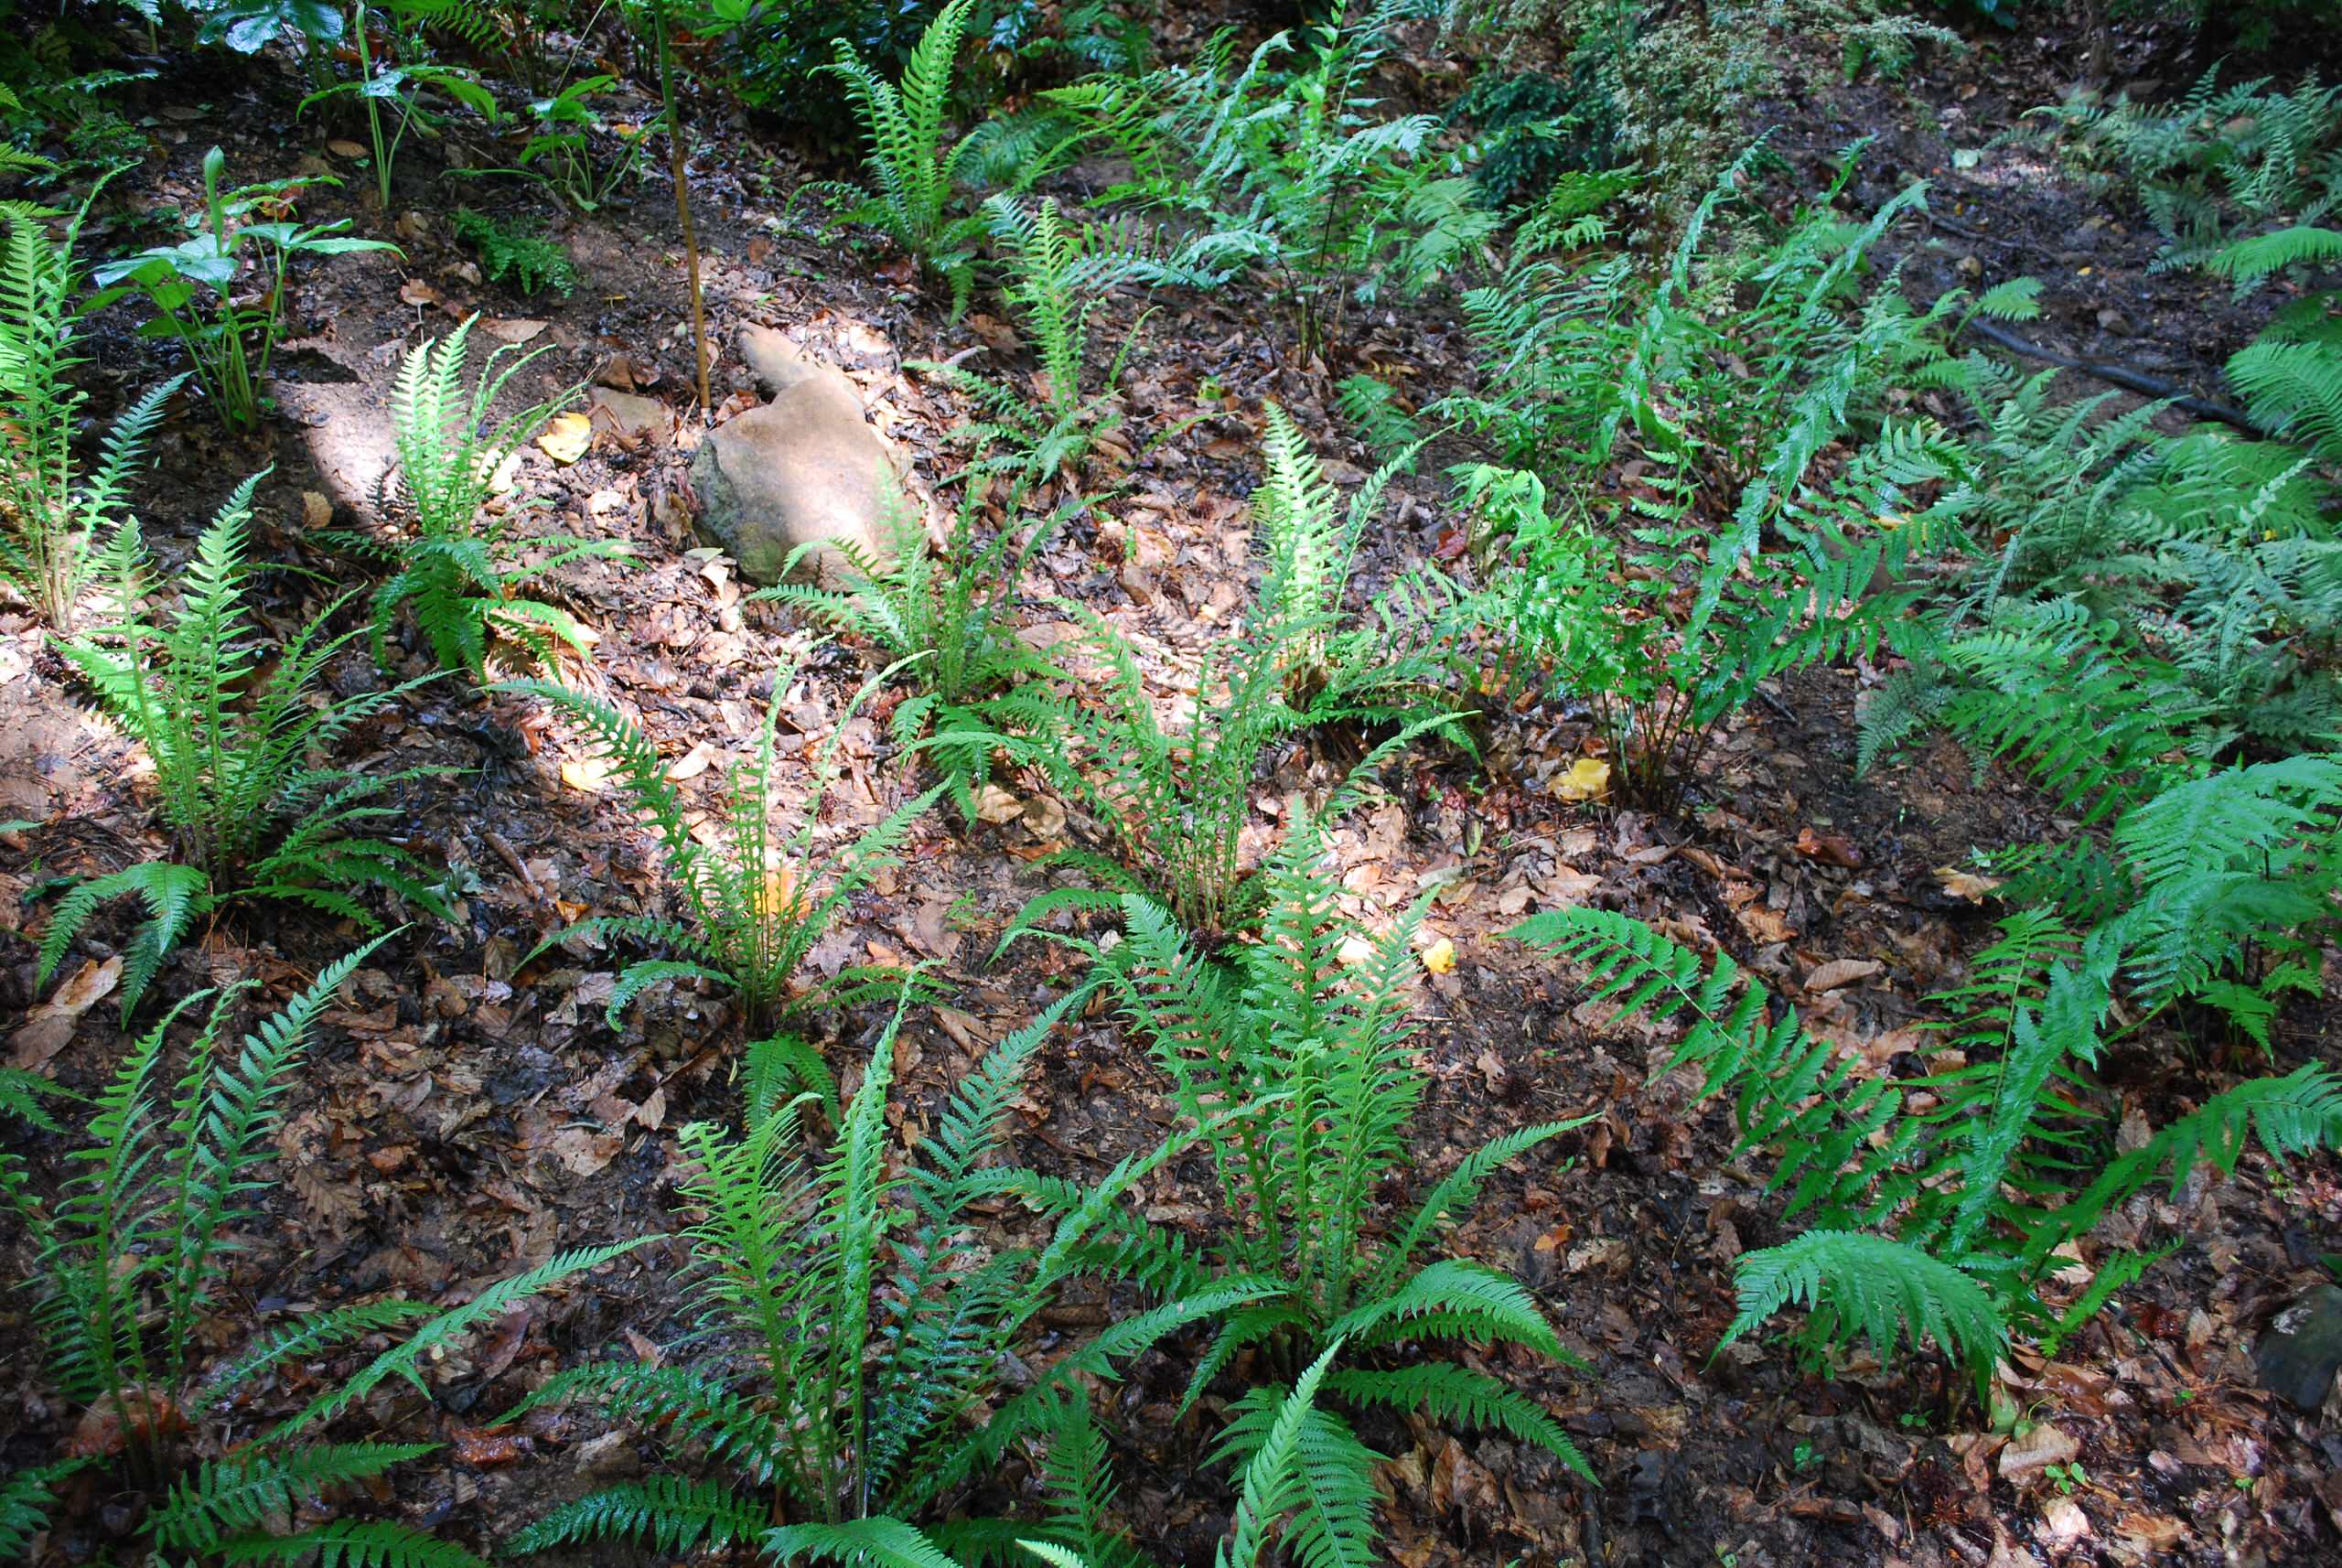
x=464, y=1115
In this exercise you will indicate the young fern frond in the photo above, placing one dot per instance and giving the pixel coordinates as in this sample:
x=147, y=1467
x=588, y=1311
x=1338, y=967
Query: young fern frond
x=755, y=899
x=461, y=568
x=175, y=897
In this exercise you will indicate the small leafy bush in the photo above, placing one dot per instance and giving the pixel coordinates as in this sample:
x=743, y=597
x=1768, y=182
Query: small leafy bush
x=463, y=566
x=194, y=286
x=511, y=247
x=754, y=900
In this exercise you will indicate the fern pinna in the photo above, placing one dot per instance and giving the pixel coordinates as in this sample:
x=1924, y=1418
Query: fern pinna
x=133, y=1255
x=850, y=1329
x=1933, y=1203
x=462, y=567
x=755, y=899
x=1309, y=1061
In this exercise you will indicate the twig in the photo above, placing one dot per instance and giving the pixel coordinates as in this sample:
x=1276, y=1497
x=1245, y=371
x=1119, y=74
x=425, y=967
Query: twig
x=2123, y=376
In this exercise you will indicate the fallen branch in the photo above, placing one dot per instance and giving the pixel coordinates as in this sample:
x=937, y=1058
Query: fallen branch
x=2123, y=376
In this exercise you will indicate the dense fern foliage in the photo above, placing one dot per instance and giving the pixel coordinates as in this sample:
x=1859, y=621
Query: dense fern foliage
x=51, y=514
x=235, y=726
x=1300, y=1049
x=134, y=1259
x=851, y=1331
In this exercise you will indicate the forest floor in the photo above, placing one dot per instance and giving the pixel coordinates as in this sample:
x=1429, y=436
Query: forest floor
x=466, y=1114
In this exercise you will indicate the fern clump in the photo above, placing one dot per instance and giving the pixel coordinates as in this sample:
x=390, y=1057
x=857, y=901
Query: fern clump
x=50, y=513
x=851, y=1328
x=135, y=1254
x=914, y=176
x=1309, y=1059
x=516, y=250
x=754, y=900
x=233, y=723
x=1936, y=1206
x=946, y=619
x=462, y=567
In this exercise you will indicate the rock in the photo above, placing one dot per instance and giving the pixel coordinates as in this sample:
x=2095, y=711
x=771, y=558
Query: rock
x=777, y=363
x=806, y=467
x=2299, y=1355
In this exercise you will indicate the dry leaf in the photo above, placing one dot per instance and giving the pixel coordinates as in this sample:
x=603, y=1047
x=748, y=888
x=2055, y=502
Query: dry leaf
x=1587, y=779
x=345, y=149
x=2027, y=1456
x=518, y=330
x=1440, y=957
x=1966, y=884
x=1840, y=971
x=1829, y=849
x=587, y=777
x=691, y=764
x=317, y=511
x=414, y=291
x=566, y=438
x=1356, y=950
x=48, y=1028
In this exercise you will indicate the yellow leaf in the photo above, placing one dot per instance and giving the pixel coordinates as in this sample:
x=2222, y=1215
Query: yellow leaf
x=565, y=439
x=1440, y=957
x=1587, y=779
x=587, y=777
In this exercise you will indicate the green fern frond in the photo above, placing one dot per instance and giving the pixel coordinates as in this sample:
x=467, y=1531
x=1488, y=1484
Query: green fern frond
x=1868, y=1287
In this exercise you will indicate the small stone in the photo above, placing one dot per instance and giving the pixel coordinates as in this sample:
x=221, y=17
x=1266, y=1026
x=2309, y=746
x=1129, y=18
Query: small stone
x=2299, y=1354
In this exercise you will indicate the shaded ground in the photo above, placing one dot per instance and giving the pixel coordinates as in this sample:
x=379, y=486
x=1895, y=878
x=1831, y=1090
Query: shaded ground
x=465, y=1116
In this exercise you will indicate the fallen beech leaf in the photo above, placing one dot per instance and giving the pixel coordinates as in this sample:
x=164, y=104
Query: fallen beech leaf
x=1356, y=950
x=485, y=1450
x=414, y=291
x=2027, y=1456
x=997, y=805
x=345, y=149
x=103, y=1426
x=317, y=511
x=1966, y=884
x=518, y=330
x=1587, y=779
x=48, y=1028
x=2158, y=1533
x=1440, y=957
x=691, y=764
x=587, y=777
x=1840, y=971
x=1829, y=849
x=566, y=438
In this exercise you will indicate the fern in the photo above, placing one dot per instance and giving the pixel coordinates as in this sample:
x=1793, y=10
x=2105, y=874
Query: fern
x=852, y=1330
x=232, y=723
x=518, y=251
x=175, y=897
x=1978, y=1182
x=755, y=900
x=1869, y=1286
x=947, y=619
x=913, y=174
x=50, y=513
x=461, y=567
